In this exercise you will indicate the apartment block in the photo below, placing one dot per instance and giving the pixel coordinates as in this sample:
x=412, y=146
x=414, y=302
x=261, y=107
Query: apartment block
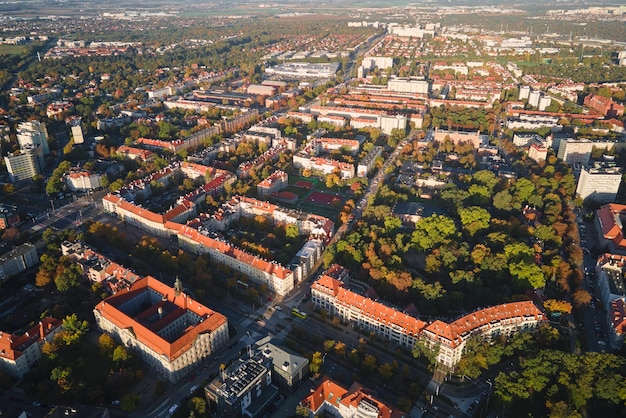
x=33, y=133
x=19, y=352
x=330, y=294
x=599, y=184
x=331, y=399
x=25, y=165
x=18, y=260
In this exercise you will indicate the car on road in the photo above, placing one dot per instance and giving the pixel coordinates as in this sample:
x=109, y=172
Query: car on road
x=278, y=308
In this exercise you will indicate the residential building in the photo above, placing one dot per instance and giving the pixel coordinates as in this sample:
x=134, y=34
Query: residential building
x=599, y=184
x=9, y=216
x=331, y=399
x=457, y=137
x=82, y=181
x=610, y=276
x=277, y=278
x=537, y=152
x=617, y=323
x=25, y=165
x=323, y=165
x=604, y=106
x=578, y=151
x=244, y=389
x=367, y=163
x=17, y=260
x=408, y=212
x=18, y=353
x=304, y=70
x=525, y=139
x=163, y=326
x=133, y=153
x=33, y=133
x=609, y=224
x=274, y=183
x=331, y=295
x=261, y=90
x=501, y=320
x=409, y=85
x=378, y=62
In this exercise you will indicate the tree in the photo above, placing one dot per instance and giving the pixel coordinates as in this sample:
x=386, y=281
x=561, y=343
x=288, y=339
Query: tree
x=130, y=402
x=73, y=329
x=474, y=219
x=63, y=377
x=68, y=279
x=386, y=370
x=553, y=305
x=432, y=231
x=120, y=354
x=316, y=363
x=198, y=405
x=369, y=361
x=581, y=298
x=106, y=343
x=292, y=231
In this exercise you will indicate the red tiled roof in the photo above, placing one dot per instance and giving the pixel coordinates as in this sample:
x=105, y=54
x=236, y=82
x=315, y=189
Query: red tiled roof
x=13, y=346
x=609, y=217
x=258, y=263
x=176, y=306
x=368, y=307
x=332, y=393
x=617, y=316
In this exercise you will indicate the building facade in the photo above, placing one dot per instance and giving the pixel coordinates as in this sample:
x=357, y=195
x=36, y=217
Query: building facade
x=18, y=353
x=17, y=260
x=331, y=399
x=330, y=294
x=166, y=328
x=244, y=389
x=599, y=184
x=25, y=165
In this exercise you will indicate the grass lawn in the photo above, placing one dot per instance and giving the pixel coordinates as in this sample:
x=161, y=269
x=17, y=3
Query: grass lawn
x=13, y=49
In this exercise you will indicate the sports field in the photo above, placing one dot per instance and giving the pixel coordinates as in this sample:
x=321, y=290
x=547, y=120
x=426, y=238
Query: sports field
x=323, y=199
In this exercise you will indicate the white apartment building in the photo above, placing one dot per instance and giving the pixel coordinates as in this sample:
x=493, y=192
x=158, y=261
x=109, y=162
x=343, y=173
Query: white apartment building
x=578, y=151
x=33, y=133
x=323, y=165
x=17, y=260
x=408, y=85
x=25, y=165
x=82, y=181
x=599, y=184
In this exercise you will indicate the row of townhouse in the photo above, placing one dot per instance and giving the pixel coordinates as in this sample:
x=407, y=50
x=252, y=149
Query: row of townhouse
x=330, y=294
x=273, y=275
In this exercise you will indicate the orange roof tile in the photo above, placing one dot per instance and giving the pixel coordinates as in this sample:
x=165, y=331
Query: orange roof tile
x=174, y=307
